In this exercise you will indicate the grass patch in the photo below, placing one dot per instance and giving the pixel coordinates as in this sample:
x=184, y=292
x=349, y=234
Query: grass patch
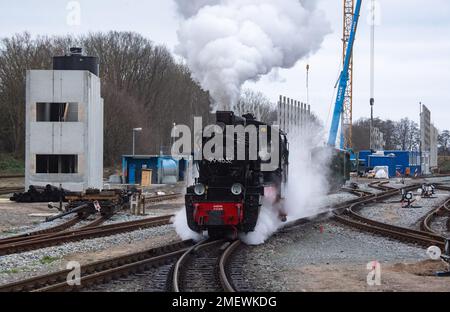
x=48, y=260
x=10, y=232
x=11, y=271
x=11, y=165
x=444, y=164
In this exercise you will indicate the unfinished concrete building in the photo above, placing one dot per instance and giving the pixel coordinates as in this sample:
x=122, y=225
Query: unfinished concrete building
x=64, y=124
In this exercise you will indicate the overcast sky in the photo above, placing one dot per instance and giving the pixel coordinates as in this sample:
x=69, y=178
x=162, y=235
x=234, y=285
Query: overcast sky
x=412, y=49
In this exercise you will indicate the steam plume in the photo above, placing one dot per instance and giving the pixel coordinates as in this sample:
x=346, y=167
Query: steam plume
x=228, y=42
x=307, y=187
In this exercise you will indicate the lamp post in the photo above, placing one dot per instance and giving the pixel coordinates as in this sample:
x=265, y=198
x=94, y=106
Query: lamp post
x=134, y=139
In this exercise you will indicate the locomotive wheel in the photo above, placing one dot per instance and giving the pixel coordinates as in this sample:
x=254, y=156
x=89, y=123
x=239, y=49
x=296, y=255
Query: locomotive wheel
x=251, y=216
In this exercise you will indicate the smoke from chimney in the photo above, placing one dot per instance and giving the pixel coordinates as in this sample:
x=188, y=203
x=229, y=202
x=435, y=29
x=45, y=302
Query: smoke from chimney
x=229, y=42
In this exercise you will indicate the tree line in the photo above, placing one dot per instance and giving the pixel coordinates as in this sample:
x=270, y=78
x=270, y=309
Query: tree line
x=398, y=135
x=142, y=85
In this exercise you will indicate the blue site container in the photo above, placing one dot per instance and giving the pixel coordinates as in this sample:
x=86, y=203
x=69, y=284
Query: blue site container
x=384, y=161
x=165, y=169
x=364, y=156
x=407, y=162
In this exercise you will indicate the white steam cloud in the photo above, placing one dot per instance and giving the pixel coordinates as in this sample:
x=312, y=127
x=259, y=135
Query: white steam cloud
x=228, y=42
x=181, y=227
x=305, y=193
x=307, y=186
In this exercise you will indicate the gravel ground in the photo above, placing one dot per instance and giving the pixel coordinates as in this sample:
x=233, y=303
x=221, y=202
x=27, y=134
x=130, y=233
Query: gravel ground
x=16, y=215
x=280, y=264
x=28, y=264
x=438, y=180
x=12, y=182
x=393, y=213
x=36, y=226
x=441, y=225
x=338, y=198
x=313, y=250
x=153, y=280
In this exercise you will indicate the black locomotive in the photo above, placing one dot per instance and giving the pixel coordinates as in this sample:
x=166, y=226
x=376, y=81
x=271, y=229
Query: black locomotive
x=227, y=195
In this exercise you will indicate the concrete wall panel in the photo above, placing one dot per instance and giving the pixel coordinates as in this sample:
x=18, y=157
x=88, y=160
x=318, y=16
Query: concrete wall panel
x=83, y=138
x=56, y=138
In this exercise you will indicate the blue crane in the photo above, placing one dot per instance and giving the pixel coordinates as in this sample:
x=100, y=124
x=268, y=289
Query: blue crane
x=343, y=80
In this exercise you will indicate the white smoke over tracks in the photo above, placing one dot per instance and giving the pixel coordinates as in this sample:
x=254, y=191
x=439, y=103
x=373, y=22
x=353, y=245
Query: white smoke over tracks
x=306, y=190
x=308, y=183
x=181, y=227
x=229, y=42
x=307, y=186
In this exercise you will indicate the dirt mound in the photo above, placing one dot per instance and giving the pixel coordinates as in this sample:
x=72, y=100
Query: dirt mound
x=423, y=268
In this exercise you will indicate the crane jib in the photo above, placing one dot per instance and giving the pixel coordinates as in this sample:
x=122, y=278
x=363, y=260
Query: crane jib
x=344, y=78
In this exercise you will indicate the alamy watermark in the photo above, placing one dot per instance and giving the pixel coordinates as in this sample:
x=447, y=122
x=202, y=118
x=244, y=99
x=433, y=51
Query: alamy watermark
x=374, y=16
x=73, y=17
x=374, y=276
x=228, y=143
x=74, y=276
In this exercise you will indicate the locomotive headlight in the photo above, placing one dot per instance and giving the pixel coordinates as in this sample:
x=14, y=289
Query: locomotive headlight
x=264, y=155
x=409, y=196
x=237, y=189
x=199, y=189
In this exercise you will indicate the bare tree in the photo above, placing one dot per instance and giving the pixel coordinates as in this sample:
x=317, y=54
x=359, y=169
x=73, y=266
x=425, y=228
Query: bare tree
x=257, y=104
x=403, y=135
x=407, y=135
x=444, y=143
x=142, y=86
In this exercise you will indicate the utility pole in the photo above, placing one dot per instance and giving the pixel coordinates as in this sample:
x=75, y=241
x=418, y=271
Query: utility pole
x=134, y=139
x=422, y=160
x=372, y=70
x=307, y=84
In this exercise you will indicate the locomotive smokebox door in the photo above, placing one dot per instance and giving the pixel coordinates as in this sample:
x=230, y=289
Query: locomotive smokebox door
x=215, y=218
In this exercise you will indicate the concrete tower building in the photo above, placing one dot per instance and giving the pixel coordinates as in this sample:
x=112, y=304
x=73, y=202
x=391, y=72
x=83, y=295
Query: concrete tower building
x=64, y=124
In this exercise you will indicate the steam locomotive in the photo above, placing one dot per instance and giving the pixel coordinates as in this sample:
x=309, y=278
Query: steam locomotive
x=228, y=193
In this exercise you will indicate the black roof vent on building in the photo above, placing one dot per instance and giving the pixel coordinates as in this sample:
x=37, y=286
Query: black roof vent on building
x=76, y=51
x=77, y=61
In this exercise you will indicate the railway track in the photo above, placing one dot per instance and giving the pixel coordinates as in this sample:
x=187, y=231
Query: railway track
x=204, y=268
x=88, y=232
x=215, y=276
x=160, y=198
x=357, y=192
x=429, y=218
x=58, y=235
x=352, y=218
x=211, y=259
x=381, y=186
x=27, y=236
x=363, y=198
x=12, y=176
x=211, y=262
x=55, y=231
x=10, y=190
x=101, y=271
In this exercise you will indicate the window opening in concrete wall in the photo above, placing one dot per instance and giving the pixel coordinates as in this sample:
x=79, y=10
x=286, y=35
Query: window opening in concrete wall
x=56, y=164
x=57, y=112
